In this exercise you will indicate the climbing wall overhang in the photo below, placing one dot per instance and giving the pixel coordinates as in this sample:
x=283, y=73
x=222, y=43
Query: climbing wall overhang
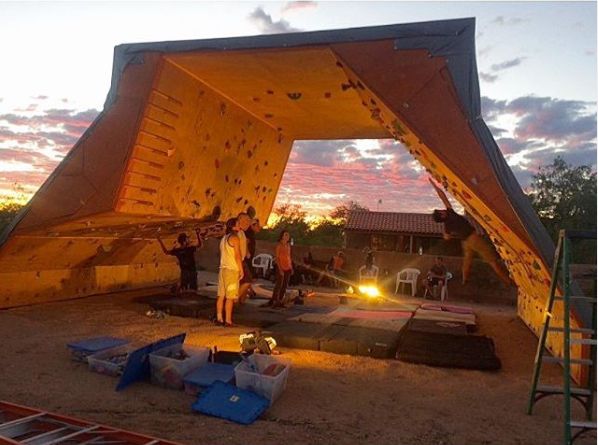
x=194, y=132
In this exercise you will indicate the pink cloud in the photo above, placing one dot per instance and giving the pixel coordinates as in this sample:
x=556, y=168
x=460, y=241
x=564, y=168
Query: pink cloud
x=299, y=5
x=39, y=140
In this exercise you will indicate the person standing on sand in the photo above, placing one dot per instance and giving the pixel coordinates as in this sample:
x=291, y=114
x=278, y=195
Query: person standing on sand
x=230, y=273
x=284, y=268
x=185, y=254
x=250, y=233
x=244, y=224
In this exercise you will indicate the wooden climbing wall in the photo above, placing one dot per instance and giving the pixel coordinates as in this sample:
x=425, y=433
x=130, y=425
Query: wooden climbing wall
x=196, y=137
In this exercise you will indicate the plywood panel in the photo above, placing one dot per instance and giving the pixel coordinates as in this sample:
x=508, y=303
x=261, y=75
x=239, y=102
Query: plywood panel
x=218, y=155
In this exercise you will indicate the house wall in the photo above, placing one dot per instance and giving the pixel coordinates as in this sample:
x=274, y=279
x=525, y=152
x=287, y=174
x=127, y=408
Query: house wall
x=400, y=242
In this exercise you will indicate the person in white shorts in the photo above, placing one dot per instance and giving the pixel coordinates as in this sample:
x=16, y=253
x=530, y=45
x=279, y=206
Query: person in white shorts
x=231, y=272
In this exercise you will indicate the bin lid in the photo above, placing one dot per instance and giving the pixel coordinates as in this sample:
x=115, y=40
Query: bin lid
x=137, y=367
x=96, y=344
x=229, y=402
x=210, y=373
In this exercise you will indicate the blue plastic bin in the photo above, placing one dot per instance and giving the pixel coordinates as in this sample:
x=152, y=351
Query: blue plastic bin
x=229, y=402
x=199, y=379
x=81, y=349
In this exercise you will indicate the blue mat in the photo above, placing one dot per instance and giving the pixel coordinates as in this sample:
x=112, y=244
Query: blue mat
x=230, y=403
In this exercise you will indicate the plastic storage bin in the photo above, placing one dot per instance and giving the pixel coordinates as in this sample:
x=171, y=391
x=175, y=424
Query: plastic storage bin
x=200, y=378
x=110, y=361
x=82, y=349
x=168, y=371
x=249, y=375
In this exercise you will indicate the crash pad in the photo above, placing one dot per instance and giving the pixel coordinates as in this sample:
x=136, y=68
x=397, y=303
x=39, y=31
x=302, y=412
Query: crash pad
x=438, y=326
x=447, y=350
x=425, y=314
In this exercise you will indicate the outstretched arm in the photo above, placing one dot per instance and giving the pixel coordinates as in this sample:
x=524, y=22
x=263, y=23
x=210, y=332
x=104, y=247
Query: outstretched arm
x=441, y=195
x=162, y=245
x=199, y=239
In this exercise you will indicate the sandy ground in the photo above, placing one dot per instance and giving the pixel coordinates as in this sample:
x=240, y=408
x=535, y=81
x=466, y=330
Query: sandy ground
x=329, y=398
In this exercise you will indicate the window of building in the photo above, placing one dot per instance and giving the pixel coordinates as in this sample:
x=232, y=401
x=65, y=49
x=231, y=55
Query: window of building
x=384, y=242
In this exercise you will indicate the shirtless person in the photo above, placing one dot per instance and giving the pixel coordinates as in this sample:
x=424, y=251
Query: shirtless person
x=457, y=227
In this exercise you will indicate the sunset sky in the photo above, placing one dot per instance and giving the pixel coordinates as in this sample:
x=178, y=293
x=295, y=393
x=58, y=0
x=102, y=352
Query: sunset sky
x=536, y=62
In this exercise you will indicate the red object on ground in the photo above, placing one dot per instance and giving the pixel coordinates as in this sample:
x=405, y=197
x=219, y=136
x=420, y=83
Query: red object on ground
x=78, y=431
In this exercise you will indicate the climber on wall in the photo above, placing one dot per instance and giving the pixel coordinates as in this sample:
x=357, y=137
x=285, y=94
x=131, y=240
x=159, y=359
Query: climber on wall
x=457, y=227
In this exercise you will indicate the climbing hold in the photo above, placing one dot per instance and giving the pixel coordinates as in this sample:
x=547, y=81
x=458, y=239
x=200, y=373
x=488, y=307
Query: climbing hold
x=294, y=96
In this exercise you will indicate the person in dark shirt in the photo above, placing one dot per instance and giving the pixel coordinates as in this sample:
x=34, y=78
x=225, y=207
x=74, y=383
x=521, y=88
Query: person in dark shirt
x=250, y=233
x=185, y=254
x=457, y=227
x=436, y=275
x=245, y=231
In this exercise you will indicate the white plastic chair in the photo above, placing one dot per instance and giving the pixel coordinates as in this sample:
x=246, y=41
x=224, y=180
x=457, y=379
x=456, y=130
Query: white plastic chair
x=444, y=290
x=262, y=261
x=370, y=276
x=408, y=276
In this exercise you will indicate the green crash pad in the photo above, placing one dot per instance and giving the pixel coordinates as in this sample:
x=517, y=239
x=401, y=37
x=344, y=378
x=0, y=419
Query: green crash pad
x=338, y=339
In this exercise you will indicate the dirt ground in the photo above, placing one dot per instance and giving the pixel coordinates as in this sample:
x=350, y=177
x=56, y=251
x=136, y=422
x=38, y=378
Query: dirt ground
x=329, y=398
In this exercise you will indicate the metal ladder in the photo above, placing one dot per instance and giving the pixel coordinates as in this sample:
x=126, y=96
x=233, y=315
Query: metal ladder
x=20, y=425
x=584, y=394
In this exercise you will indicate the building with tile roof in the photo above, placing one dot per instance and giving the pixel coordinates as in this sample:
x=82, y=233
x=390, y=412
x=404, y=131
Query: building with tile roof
x=395, y=231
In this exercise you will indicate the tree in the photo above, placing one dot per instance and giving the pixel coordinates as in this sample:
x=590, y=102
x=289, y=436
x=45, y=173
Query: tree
x=341, y=212
x=8, y=210
x=290, y=217
x=327, y=233
x=565, y=198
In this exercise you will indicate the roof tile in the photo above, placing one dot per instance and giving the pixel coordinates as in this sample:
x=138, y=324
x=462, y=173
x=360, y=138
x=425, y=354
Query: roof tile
x=421, y=223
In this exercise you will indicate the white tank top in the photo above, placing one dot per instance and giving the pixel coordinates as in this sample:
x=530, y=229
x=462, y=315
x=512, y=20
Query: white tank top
x=227, y=254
